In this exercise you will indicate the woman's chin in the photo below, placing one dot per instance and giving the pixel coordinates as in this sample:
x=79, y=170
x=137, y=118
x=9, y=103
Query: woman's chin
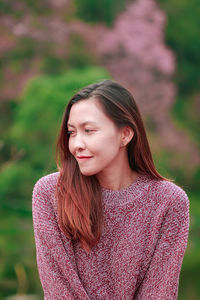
x=87, y=172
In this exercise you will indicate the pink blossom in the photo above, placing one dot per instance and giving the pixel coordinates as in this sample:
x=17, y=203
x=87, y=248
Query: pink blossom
x=139, y=31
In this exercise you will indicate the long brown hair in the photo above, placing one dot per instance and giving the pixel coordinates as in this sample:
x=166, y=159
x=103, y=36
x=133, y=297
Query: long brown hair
x=78, y=196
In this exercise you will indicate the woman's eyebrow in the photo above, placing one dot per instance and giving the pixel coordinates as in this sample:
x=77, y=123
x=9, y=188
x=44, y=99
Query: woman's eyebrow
x=70, y=125
x=83, y=124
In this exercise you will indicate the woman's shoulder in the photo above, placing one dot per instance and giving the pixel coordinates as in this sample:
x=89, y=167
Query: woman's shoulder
x=47, y=182
x=45, y=187
x=168, y=191
x=169, y=187
x=43, y=201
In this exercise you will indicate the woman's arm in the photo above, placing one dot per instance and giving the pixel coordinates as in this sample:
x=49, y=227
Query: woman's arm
x=161, y=279
x=55, y=257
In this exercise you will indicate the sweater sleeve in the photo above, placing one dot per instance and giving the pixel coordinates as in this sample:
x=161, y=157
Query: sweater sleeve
x=55, y=256
x=162, y=276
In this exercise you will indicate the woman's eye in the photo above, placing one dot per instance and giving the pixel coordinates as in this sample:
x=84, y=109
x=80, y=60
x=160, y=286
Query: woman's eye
x=89, y=130
x=70, y=132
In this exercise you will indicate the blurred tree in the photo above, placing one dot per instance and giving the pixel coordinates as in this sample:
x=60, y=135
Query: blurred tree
x=99, y=11
x=182, y=35
x=18, y=8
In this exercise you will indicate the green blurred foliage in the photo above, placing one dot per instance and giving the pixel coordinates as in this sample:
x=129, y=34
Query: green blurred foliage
x=77, y=56
x=186, y=115
x=99, y=11
x=182, y=35
x=28, y=54
x=189, y=278
x=30, y=141
x=19, y=7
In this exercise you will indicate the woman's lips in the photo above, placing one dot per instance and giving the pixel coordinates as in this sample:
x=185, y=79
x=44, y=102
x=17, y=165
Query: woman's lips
x=83, y=157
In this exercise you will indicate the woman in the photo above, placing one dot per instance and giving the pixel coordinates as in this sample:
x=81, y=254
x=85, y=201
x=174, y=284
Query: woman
x=108, y=225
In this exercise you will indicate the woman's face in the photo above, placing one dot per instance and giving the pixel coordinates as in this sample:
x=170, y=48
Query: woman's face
x=94, y=140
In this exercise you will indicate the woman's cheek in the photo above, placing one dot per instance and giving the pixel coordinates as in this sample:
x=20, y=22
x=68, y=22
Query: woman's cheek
x=70, y=146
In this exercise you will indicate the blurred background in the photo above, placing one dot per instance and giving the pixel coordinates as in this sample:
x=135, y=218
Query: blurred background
x=48, y=50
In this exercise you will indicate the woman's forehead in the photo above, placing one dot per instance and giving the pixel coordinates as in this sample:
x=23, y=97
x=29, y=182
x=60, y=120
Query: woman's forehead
x=88, y=111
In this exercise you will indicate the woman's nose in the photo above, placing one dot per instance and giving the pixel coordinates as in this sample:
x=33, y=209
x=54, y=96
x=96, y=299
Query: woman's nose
x=78, y=142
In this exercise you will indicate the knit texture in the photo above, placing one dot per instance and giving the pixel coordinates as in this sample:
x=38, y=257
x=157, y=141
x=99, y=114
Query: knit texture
x=140, y=252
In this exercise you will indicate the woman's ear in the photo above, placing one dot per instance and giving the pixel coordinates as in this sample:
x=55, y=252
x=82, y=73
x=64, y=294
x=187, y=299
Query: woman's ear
x=126, y=135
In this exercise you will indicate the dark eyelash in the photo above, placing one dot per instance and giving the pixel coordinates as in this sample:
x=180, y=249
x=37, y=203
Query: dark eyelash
x=69, y=132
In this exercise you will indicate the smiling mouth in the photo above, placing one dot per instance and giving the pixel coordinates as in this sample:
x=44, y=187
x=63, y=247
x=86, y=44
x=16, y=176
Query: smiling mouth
x=83, y=157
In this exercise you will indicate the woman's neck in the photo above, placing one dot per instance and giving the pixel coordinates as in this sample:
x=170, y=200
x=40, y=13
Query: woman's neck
x=117, y=178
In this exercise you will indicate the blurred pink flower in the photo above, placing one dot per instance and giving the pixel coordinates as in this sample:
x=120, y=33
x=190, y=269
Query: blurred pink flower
x=139, y=32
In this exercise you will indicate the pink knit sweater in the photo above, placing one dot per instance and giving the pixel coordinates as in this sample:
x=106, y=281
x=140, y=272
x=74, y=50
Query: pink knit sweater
x=140, y=252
